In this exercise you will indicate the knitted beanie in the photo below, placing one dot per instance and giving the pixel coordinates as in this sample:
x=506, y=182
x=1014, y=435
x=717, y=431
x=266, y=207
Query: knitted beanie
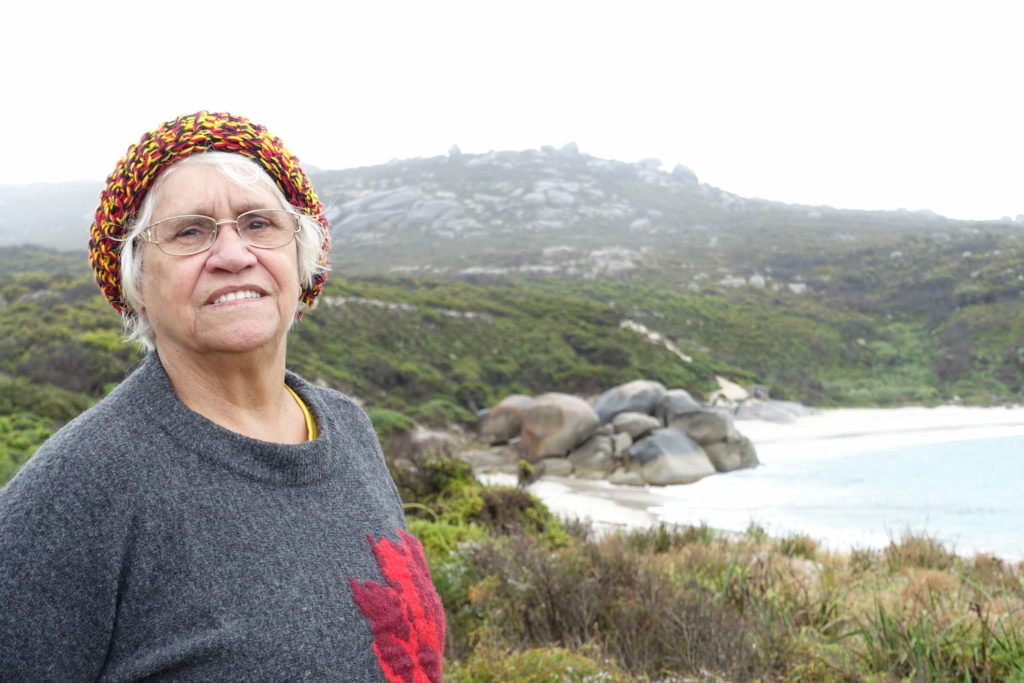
x=144, y=161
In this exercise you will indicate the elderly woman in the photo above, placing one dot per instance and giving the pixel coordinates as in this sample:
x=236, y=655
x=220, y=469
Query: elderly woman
x=215, y=517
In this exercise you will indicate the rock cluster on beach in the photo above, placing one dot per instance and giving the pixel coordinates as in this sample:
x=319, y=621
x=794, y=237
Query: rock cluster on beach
x=636, y=433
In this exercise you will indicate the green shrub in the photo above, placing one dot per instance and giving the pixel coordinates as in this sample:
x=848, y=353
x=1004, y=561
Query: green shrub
x=510, y=511
x=439, y=489
x=20, y=435
x=440, y=538
x=45, y=400
x=441, y=411
x=388, y=424
x=473, y=396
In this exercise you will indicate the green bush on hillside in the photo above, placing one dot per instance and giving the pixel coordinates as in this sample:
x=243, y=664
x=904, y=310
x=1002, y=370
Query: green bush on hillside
x=20, y=435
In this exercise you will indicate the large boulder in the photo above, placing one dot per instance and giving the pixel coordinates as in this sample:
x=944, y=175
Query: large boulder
x=728, y=456
x=637, y=425
x=594, y=458
x=771, y=410
x=432, y=442
x=555, y=424
x=556, y=467
x=504, y=421
x=674, y=402
x=639, y=396
x=706, y=426
x=622, y=442
x=625, y=477
x=667, y=456
x=748, y=454
x=495, y=460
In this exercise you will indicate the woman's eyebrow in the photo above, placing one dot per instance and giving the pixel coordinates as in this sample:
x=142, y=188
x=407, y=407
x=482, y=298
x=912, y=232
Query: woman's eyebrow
x=252, y=206
x=237, y=209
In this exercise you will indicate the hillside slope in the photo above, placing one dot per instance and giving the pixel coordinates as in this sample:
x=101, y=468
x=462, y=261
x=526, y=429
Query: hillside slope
x=823, y=305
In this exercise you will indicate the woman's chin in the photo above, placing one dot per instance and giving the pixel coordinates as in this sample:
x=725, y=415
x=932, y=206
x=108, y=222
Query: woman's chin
x=243, y=339
x=239, y=337
x=241, y=329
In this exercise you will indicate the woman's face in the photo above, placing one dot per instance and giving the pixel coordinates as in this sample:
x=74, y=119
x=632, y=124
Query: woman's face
x=229, y=298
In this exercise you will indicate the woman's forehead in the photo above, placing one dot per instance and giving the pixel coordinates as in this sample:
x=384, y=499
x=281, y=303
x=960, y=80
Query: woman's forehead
x=204, y=190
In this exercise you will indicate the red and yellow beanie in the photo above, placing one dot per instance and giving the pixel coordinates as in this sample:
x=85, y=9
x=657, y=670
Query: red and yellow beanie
x=144, y=161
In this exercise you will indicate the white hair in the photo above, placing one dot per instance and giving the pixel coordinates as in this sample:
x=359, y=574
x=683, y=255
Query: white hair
x=240, y=170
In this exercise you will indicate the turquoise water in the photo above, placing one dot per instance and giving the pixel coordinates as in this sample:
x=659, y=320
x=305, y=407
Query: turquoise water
x=968, y=494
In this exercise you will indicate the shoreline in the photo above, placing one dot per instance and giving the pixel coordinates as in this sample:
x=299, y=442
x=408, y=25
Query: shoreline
x=912, y=424
x=834, y=432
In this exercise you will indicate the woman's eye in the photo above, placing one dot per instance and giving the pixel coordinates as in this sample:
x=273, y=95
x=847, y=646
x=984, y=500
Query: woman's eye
x=190, y=231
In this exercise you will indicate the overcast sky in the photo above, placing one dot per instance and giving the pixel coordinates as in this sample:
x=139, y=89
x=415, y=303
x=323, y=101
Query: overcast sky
x=860, y=104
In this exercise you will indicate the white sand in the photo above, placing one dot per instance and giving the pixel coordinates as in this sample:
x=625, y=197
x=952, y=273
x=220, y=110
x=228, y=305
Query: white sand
x=834, y=432
x=851, y=430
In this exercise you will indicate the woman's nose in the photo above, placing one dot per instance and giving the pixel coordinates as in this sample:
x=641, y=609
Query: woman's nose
x=229, y=252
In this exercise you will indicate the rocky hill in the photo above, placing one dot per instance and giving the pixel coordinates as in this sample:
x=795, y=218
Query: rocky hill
x=563, y=212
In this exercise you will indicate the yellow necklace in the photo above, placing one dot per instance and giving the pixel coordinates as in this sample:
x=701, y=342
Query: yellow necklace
x=311, y=431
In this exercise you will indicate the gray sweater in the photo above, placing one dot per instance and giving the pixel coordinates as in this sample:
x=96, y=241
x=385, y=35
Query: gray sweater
x=143, y=541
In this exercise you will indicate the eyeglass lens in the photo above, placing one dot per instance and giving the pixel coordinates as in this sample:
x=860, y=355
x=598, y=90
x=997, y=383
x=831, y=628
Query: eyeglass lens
x=264, y=228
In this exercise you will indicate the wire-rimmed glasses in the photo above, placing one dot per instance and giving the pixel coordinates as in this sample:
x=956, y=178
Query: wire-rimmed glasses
x=187, y=235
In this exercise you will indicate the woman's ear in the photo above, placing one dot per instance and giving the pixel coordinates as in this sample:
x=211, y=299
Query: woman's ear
x=140, y=304
x=140, y=294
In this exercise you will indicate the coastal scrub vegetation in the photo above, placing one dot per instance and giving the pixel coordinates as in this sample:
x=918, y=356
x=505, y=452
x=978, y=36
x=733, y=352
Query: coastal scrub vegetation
x=438, y=350
x=557, y=601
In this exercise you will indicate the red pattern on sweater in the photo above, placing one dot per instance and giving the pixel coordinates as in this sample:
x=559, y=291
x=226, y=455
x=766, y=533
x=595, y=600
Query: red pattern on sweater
x=406, y=616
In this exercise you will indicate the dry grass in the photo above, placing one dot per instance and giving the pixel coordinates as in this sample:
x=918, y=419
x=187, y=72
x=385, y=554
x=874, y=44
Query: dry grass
x=667, y=603
x=689, y=603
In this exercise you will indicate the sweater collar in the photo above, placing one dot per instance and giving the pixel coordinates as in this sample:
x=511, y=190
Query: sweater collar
x=288, y=464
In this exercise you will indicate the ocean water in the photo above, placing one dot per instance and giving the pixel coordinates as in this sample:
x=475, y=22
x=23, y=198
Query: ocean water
x=967, y=493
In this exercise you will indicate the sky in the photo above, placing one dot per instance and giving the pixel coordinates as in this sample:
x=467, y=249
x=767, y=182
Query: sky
x=859, y=104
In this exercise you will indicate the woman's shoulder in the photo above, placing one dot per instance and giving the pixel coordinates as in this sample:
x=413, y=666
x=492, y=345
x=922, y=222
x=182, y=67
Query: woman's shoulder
x=97, y=444
x=83, y=453
x=79, y=483
x=114, y=418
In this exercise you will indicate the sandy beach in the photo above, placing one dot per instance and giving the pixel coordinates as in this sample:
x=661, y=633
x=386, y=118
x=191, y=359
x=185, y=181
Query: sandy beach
x=828, y=433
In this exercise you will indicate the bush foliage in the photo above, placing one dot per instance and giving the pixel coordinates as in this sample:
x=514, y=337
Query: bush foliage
x=554, y=601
